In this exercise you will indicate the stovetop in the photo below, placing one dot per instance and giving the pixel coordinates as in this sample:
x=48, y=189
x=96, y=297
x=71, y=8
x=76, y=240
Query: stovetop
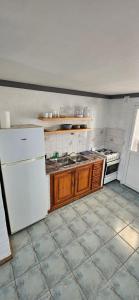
x=109, y=154
x=106, y=151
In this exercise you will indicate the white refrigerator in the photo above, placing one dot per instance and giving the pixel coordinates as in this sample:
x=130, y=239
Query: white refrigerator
x=22, y=156
x=5, y=250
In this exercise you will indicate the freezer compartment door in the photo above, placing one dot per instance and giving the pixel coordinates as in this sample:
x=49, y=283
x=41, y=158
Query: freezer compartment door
x=21, y=144
x=26, y=193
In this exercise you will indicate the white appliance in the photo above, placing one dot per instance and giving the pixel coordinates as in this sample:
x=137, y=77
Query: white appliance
x=5, y=250
x=22, y=158
x=112, y=164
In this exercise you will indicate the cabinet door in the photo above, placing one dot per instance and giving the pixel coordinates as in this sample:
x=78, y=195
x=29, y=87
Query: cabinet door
x=83, y=179
x=63, y=187
x=97, y=175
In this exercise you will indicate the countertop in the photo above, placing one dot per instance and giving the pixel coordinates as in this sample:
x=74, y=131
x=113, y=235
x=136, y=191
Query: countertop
x=54, y=166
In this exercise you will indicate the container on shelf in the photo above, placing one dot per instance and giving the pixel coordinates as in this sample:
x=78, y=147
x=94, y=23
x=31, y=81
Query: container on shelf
x=50, y=115
x=78, y=112
x=66, y=111
x=86, y=112
x=66, y=126
x=83, y=126
x=5, y=119
x=76, y=126
x=55, y=114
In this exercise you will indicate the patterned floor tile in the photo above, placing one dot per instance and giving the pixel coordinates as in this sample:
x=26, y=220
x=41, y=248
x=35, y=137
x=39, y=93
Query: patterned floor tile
x=115, y=223
x=102, y=212
x=31, y=285
x=24, y=260
x=92, y=202
x=47, y=296
x=78, y=226
x=37, y=230
x=120, y=248
x=90, y=279
x=104, y=200
x=101, y=196
x=74, y=254
x=107, y=294
x=68, y=213
x=91, y=218
x=63, y=236
x=104, y=231
x=67, y=289
x=54, y=220
x=129, y=194
x=113, y=206
x=19, y=240
x=90, y=241
x=125, y=215
x=106, y=261
x=80, y=229
x=45, y=247
x=116, y=187
x=54, y=269
x=130, y=236
x=125, y=285
x=108, y=192
x=8, y=292
x=121, y=200
x=135, y=225
x=133, y=209
x=81, y=208
x=133, y=265
x=6, y=274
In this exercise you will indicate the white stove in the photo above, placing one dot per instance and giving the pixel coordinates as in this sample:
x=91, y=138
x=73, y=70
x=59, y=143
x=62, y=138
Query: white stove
x=112, y=164
x=109, y=154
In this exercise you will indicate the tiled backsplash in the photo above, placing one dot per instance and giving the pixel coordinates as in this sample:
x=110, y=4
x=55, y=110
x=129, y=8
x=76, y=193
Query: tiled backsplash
x=66, y=143
x=112, y=138
x=115, y=139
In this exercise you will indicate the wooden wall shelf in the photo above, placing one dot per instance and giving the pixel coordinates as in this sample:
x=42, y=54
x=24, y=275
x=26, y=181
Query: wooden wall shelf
x=65, y=118
x=47, y=132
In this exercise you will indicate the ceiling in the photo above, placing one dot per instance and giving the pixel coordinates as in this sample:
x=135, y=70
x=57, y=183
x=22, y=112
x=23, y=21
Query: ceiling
x=90, y=45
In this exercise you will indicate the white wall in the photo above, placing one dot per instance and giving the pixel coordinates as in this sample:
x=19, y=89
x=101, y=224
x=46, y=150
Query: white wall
x=25, y=105
x=111, y=119
x=119, y=122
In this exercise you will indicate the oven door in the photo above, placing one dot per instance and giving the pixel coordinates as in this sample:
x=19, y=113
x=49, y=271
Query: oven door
x=111, y=167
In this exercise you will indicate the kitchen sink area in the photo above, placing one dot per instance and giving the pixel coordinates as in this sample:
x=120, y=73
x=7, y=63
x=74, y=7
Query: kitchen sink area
x=79, y=158
x=65, y=161
x=70, y=160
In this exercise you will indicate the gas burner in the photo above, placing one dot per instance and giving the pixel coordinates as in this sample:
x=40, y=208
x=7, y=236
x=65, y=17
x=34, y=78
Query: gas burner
x=105, y=151
x=102, y=150
x=109, y=154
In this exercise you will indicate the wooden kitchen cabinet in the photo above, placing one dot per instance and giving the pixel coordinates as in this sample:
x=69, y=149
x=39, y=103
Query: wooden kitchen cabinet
x=62, y=187
x=97, y=171
x=83, y=180
x=69, y=185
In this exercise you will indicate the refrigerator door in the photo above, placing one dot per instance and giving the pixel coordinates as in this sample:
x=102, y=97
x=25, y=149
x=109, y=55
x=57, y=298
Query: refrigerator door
x=25, y=187
x=21, y=144
x=5, y=251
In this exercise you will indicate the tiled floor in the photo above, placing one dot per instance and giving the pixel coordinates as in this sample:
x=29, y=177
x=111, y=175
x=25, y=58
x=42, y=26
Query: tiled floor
x=86, y=250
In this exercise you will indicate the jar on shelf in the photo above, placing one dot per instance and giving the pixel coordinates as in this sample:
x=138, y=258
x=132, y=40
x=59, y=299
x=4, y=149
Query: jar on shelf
x=66, y=111
x=86, y=112
x=55, y=114
x=78, y=112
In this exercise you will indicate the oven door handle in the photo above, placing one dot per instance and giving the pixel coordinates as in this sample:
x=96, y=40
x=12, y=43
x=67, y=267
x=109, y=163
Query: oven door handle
x=114, y=162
